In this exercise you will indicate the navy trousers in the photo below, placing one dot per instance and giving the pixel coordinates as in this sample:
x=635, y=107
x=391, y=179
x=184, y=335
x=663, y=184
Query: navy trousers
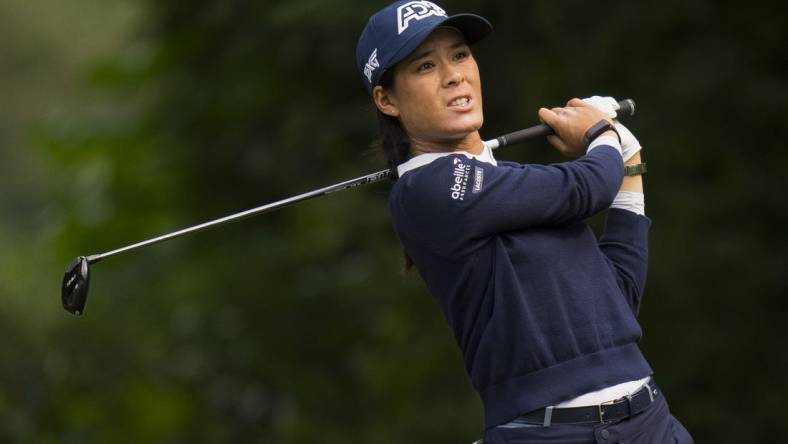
x=655, y=425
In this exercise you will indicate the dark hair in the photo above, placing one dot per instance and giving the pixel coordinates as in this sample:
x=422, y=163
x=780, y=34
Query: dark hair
x=394, y=143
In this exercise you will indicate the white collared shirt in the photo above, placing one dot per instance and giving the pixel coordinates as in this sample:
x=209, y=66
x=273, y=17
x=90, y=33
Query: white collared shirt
x=427, y=158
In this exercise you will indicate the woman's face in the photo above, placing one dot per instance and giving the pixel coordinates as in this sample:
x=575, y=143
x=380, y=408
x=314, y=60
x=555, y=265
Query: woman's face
x=436, y=92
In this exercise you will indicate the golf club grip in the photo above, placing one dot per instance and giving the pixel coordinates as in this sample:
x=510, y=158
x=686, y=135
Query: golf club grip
x=626, y=108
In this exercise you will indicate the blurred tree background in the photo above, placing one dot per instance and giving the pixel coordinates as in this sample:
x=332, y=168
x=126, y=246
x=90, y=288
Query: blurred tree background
x=123, y=119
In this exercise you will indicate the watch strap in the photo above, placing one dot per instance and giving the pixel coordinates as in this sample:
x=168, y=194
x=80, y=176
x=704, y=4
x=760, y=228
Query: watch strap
x=597, y=130
x=635, y=170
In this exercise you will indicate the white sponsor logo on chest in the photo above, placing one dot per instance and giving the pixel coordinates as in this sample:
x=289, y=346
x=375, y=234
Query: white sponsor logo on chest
x=416, y=10
x=478, y=179
x=460, y=175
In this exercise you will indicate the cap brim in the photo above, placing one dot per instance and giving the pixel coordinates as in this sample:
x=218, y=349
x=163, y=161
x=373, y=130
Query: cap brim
x=473, y=27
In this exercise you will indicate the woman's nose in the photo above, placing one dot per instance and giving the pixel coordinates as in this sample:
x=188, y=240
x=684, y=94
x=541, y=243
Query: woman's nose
x=452, y=76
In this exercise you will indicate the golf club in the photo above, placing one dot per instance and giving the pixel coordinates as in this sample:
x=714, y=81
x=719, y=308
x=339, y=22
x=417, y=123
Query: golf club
x=76, y=280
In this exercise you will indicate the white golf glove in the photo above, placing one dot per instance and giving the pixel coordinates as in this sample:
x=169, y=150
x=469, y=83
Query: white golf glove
x=608, y=105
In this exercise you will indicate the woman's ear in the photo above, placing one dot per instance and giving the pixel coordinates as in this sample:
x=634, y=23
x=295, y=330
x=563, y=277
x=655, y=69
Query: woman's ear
x=385, y=102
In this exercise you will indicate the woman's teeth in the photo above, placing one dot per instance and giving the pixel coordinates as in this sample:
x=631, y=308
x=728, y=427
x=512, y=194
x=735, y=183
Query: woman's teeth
x=460, y=101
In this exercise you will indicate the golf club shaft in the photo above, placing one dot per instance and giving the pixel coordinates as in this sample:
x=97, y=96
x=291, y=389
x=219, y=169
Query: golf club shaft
x=369, y=178
x=627, y=107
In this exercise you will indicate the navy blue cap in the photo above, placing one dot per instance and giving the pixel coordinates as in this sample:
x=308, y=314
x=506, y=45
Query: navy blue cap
x=397, y=30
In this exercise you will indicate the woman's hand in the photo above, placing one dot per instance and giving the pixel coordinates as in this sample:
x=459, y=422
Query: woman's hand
x=609, y=105
x=570, y=124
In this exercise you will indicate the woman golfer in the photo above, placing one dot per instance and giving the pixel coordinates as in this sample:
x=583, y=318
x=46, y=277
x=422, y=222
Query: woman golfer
x=545, y=314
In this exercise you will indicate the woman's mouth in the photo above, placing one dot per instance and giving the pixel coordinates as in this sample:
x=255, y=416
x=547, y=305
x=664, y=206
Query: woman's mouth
x=460, y=102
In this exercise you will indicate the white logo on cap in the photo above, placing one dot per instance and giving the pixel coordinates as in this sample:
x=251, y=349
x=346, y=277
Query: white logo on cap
x=416, y=11
x=372, y=63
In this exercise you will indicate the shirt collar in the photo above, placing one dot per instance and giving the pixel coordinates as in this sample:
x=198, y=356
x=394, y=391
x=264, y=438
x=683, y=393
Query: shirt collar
x=426, y=158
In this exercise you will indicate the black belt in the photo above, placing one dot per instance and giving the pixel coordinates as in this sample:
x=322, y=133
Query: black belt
x=609, y=411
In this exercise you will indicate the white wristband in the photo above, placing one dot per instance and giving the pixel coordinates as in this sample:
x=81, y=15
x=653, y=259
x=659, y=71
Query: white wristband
x=605, y=140
x=633, y=201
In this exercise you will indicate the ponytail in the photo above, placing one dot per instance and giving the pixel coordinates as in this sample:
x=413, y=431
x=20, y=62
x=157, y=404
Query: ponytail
x=394, y=143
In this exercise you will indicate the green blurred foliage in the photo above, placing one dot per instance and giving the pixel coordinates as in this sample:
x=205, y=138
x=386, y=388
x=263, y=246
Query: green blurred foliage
x=124, y=119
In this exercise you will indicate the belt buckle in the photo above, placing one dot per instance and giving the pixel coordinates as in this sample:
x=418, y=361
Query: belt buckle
x=602, y=412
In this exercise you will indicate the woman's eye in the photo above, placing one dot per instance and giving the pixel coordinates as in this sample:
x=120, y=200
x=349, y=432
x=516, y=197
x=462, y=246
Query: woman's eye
x=461, y=55
x=424, y=66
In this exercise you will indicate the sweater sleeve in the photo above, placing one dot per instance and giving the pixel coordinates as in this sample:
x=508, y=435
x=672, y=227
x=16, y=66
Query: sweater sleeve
x=625, y=246
x=456, y=199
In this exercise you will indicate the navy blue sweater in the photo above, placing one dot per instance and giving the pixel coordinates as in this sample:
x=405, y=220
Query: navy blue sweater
x=542, y=311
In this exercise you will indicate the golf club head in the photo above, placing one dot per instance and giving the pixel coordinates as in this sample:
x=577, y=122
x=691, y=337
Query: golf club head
x=75, y=286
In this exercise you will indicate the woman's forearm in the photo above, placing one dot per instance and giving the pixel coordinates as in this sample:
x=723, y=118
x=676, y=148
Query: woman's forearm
x=633, y=183
x=630, y=195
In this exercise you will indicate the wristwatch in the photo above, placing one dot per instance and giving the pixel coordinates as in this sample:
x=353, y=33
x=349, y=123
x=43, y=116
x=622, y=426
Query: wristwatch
x=597, y=130
x=634, y=170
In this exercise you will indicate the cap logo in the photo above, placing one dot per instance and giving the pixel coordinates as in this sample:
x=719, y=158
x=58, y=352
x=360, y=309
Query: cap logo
x=372, y=63
x=416, y=10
